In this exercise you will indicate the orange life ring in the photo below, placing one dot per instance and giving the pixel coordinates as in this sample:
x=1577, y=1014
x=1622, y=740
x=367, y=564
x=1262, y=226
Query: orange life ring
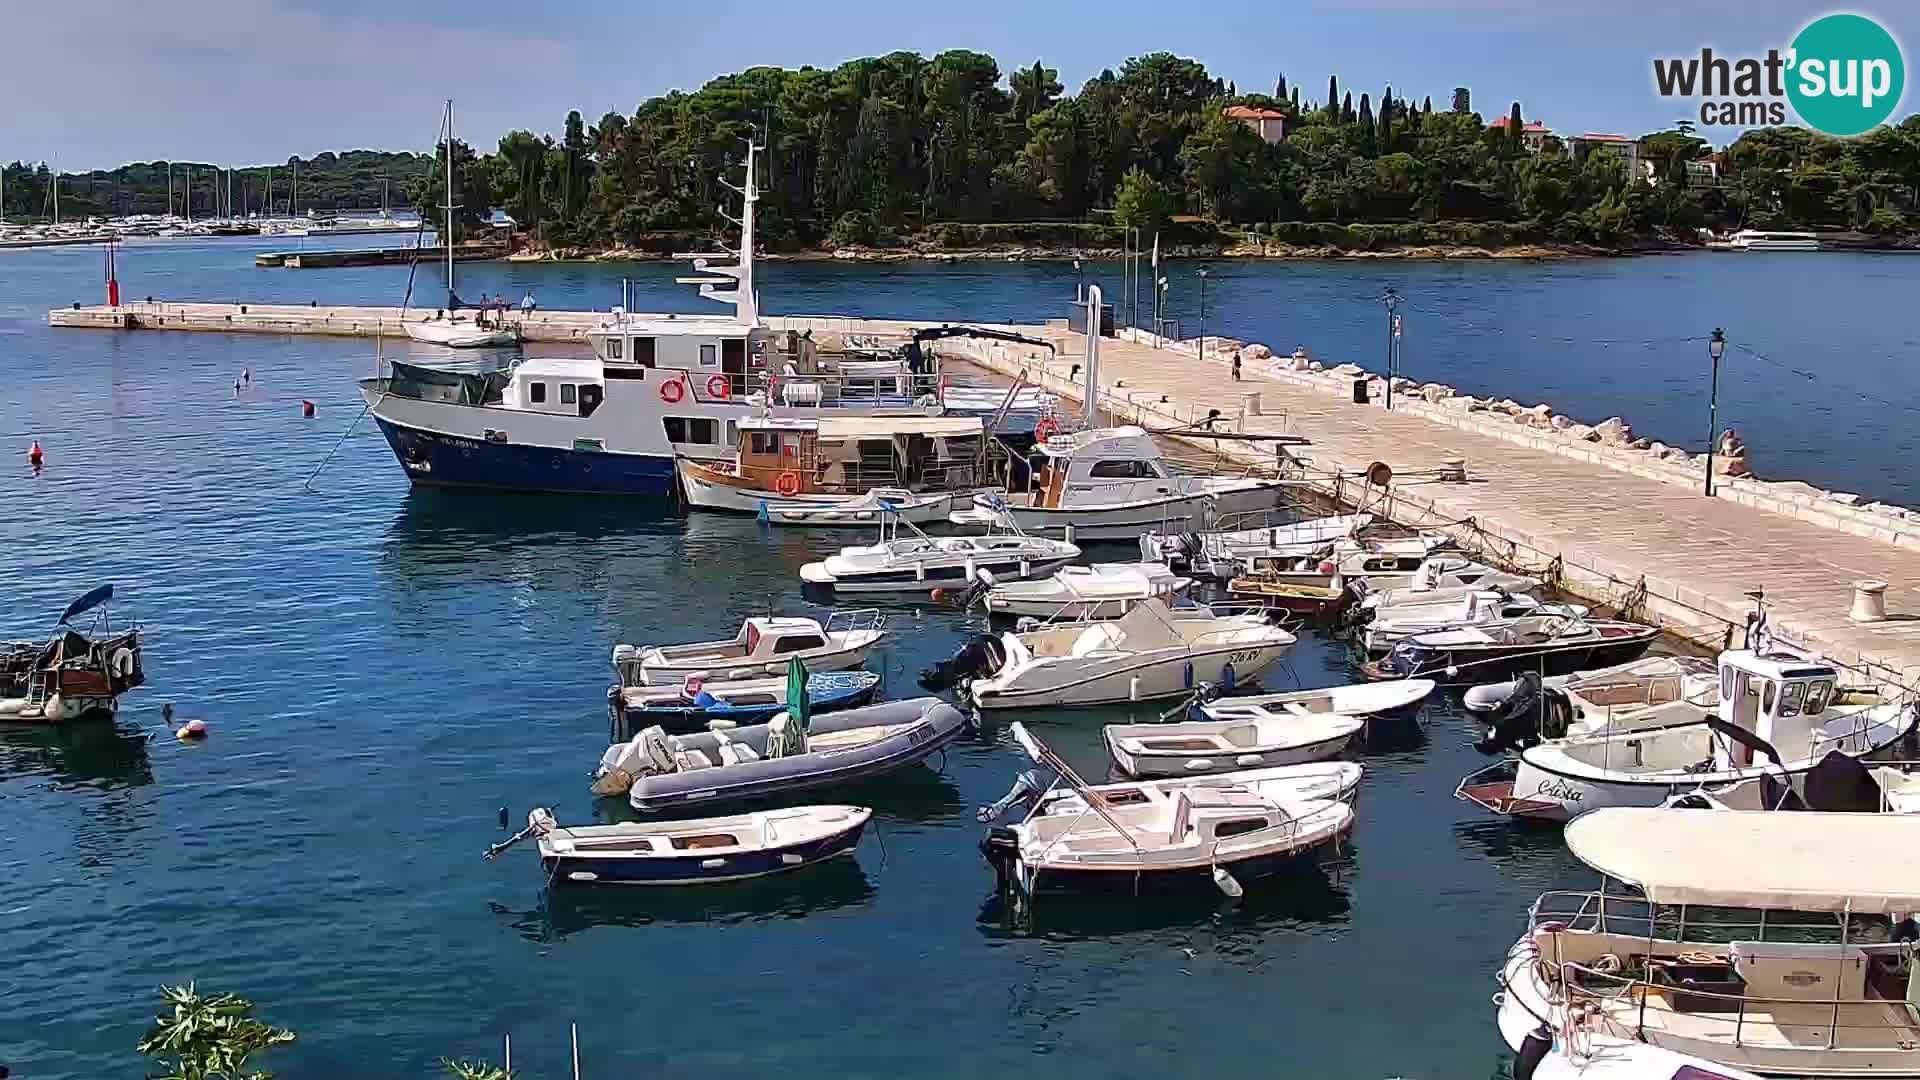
x=1046, y=429
x=788, y=483
x=672, y=391
x=719, y=387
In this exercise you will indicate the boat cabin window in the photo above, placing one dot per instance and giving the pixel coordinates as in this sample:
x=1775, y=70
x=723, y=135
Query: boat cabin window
x=568, y=393
x=700, y=430
x=643, y=351
x=613, y=348
x=537, y=392
x=1818, y=694
x=797, y=643
x=696, y=430
x=1238, y=826
x=676, y=428
x=764, y=442
x=1790, y=697
x=1387, y=563
x=708, y=355
x=590, y=398
x=1122, y=470
x=1766, y=696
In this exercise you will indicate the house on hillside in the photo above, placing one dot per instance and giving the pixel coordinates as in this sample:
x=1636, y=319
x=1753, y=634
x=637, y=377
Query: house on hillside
x=1532, y=135
x=1625, y=150
x=1269, y=124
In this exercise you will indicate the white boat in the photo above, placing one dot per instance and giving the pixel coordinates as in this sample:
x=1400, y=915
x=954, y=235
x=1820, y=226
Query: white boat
x=841, y=465
x=1779, y=946
x=1439, y=579
x=693, y=851
x=919, y=563
x=1304, y=536
x=1364, y=700
x=1100, y=591
x=1775, y=720
x=1246, y=741
x=1113, y=484
x=453, y=327
x=1587, y=1056
x=764, y=646
x=1764, y=240
x=1219, y=835
x=1651, y=692
x=1151, y=652
x=1486, y=607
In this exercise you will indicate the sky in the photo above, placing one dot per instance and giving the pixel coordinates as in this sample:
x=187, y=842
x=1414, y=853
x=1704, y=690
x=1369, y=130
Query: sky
x=244, y=82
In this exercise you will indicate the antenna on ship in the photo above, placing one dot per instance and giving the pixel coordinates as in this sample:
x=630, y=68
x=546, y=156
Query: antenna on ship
x=733, y=284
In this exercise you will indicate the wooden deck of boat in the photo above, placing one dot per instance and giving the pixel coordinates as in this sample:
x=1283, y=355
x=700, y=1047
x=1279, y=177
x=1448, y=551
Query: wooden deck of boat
x=1611, y=530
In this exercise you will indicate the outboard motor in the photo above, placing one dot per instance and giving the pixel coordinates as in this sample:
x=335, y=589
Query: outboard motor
x=1001, y=848
x=1026, y=788
x=1518, y=721
x=1533, y=1050
x=979, y=656
x=978, y=588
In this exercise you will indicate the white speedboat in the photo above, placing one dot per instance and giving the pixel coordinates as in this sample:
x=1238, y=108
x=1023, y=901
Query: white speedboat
x=1486, y=607
x=1220, y=835
x=920, y=563
x=1364, y=700
x=764, y=646
x=1100, y=591
x=693, y=851
x=1776, y=719
x=1765, y=942
x=1113, y=484
x=1303, y=536
x=1247, y=741
x=1151, y=652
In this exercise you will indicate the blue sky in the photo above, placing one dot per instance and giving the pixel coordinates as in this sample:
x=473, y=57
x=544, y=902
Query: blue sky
x=242, y=82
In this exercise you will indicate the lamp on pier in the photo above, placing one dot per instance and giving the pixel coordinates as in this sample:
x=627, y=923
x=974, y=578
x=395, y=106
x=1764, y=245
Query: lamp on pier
x=1716, y=348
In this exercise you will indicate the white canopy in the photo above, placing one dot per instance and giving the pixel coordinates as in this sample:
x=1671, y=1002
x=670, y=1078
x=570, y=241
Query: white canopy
x=884, y=427
x=1784, y=860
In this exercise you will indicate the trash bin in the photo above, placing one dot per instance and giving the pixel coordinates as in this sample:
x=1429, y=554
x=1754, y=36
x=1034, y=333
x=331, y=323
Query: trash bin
x=1250, y=403
x=1360, y=391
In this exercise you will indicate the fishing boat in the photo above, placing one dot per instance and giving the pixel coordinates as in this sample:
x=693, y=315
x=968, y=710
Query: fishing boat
x=917, y=562
x=1774, y=720
x=1488, y=607
x=1364, y=700
x=1247, y=740
x=1781, y=944
x=782, y=757
x=1151, y=652
x=1099, y=591
x=1199, y=547
x=451, y=326
x=696, y=851
x=1272, y=590
x=74, y=672
x=1554, y=643
x=1651, y=692
x=762, y=647
x=698, y=703
x=1164, y=839
x=1113, y=484
x=840, y=465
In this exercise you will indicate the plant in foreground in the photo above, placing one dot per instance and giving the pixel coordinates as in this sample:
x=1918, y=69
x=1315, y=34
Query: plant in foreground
x=208, y=1037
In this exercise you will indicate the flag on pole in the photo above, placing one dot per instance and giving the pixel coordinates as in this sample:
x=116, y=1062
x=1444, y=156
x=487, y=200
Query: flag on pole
x=1156, y=254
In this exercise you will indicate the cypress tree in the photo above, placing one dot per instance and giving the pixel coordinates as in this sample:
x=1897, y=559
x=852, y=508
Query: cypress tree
x=1346, y=109
x=1426, y=107
x=1296, y=99
x=1280, y=88
x=1513, y=129
x=1333, y=98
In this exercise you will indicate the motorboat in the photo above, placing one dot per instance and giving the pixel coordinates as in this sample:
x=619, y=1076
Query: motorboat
x=1161, y=839
x=1200, y=548
x=1586, y=1056
x=1651, y=692
x=764, y=646
x=1245, y=741
x=1550, y=642
x=452, y=326
x=698, y=703
x=1151, y=652
x=778, y=758
x=1100, y=591
x=919, y=563
x=1363, y=700
x=1776, y=719
x=74, y=672
x=693, y=851
x=1487, y=607
x=1337, y=780
x=1441, y=579
x=1762, y=240
x=1780, y=944
x=1277, y=591
x=1114, y=484
x=841, y=465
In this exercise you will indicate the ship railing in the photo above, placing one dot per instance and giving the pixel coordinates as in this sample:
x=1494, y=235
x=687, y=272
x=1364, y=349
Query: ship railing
x=855, y=619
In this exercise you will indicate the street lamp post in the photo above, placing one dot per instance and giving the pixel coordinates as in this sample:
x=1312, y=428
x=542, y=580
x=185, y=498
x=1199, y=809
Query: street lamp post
x=1716, y=347
x=1203, y=314
x=1392, y=303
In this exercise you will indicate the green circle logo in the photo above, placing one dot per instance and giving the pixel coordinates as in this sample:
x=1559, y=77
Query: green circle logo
x=1845, y=74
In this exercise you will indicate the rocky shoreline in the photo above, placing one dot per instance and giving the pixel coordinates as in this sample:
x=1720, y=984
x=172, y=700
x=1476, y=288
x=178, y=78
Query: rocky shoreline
x=1038, y=254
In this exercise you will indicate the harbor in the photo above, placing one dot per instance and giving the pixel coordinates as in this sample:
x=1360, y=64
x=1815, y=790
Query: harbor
x=382, y=256
x=695, y=494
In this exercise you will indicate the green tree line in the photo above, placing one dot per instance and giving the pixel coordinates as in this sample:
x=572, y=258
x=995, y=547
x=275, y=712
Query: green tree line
x=331, y=181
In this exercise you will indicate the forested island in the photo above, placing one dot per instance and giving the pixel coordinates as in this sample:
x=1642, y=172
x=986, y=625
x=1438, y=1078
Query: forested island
x=908, y=154
x=351, y=180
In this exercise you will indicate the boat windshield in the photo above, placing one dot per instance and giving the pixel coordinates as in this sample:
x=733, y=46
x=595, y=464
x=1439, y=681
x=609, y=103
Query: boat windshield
x=450, y=387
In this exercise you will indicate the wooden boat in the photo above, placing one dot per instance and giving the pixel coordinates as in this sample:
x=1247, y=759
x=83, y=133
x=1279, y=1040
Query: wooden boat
x=1274, y=590
x=73, y=673
x=1363, y=700
x=762, y=647
x=839, y=470
x=693, y=705
x=1219, y=835
x=697, y=851
x=1242, y=742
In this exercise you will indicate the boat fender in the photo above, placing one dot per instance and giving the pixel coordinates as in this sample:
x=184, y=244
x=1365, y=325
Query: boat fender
x=35, y=456
x=938, y=596
x=192, y=731
x=53, y=707
x=789, y=481
x=121, y=662
x=1328, y=566
x=1533, y=1050
x=718, y=387
x=672, y=391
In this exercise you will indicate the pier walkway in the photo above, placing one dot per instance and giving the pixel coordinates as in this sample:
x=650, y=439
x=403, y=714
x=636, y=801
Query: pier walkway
x=1670, y=553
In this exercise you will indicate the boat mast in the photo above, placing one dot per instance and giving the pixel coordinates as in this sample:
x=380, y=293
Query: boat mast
x=447, y=240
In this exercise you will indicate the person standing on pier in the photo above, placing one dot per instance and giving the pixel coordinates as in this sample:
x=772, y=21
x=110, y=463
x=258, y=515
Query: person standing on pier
x=527, y=306
x=1236, y=365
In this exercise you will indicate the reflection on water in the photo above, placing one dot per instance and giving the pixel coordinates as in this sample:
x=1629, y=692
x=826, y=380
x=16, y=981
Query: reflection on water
x=1306, y=895
x=914, y=794
x=104, y=753
x=564, y=910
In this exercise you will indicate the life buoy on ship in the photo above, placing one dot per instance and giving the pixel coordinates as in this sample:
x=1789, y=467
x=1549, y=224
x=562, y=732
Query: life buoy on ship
x=1046, y=429
x=788, y=483
x=672, y=391
x=121, y=663
x=718, y=387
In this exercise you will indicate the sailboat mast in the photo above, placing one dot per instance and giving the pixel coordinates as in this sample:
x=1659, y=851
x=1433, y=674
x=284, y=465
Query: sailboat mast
x=447, y=240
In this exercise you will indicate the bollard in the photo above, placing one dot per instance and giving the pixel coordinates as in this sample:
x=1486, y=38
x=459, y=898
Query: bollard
x=1869, y=602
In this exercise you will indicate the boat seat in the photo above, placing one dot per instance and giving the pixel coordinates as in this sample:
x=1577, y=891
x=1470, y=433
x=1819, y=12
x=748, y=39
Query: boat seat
x=737, y=753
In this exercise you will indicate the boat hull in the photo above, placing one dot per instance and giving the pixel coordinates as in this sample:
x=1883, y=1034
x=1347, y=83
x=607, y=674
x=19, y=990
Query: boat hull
x=457, y=335
x=922, y=579
x=710, y=493
x=844, y=659
x=586, y=869
x=1174, y=514
x=1165, y=766
x=436, y=459
x=1182, y=880
x=1479, y=663
x=626, y=719
x=1129, y=679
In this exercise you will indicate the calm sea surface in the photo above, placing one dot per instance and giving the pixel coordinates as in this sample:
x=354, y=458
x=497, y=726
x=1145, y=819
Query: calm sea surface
x=383, y=669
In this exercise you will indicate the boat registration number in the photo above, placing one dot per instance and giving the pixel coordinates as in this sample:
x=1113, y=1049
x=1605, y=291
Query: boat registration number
x=919, y=733
x=1243, y=656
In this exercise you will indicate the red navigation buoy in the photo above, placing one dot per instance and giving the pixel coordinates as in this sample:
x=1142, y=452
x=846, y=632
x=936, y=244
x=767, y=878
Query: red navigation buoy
x=192, y=731
x=306, y=408
x=34, y=454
